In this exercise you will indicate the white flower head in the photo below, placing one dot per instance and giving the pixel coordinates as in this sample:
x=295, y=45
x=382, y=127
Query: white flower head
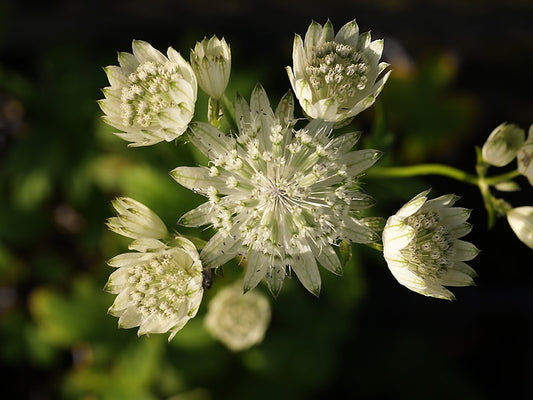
x=135, y=220
x=521, y=221
x=525, y=157
x=335, y=77
x=151, y=97
x=158, y=287
x=503, y=144
x=211, y=62
x=278, y=196
x=239, y=320
x=422, y=248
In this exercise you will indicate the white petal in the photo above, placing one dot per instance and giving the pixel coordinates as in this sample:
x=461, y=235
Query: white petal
x=464, y=251
x=304, y=265
x=144, y=52
x=348, y=34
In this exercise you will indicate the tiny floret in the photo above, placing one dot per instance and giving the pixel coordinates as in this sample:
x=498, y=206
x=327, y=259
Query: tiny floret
x=279, y=197
x=521, y=221
x=239, y=320
x=151, y=97
x=422, y=248
x=211, y=62
x=335, y=77
x=525, y=157
x=503, y=144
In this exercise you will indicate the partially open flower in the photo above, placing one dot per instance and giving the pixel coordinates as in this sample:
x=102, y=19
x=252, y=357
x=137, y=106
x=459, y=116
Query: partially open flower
x=151, y=97
x=335, y=77
x=280, y=197
x=503, y=144
x=211, y=62
x=521, y=221
x=238, y=320
x=525, y=157
x=422, y=248
x=135, y=220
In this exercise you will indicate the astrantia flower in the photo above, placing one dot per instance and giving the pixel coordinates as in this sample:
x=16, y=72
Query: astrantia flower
x=278, y=196
x=211, y=62
x=525, y=157
x=238, y=320
x=521, y=221
x=135, y=220
x=422, y=248
x=503, y=144
x=151, y=97
x=159, y=285
x=335, y=77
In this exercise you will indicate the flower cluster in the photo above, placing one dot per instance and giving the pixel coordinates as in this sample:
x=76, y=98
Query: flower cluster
x=282, y=193
x=506, y=143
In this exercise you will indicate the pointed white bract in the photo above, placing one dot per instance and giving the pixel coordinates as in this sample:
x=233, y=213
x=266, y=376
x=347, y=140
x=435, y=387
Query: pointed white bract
x=521, y=221
x=502, y=144
x=422, y=248
x=239, y=320
x=158, y=285
x=151, y=97
x=335, y=77
x=525, y=157
x=135, y=220
x=279, y=197
x=211, y=62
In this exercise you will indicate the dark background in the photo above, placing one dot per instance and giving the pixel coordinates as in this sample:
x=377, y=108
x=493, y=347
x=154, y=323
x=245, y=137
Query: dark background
x=459, y=70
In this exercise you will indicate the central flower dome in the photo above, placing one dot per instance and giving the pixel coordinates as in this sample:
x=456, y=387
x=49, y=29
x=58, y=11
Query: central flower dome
x=279, y=197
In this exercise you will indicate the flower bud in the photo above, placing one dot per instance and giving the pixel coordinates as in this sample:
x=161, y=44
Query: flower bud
x=136, y=221
x=211, y=62
x=521, y=221
x=238, y=320
x=525, y=156
x=503, y=144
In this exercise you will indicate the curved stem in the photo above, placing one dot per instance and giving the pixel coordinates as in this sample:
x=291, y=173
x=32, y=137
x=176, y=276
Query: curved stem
x=438, y=169
x=502, y=178
x=422, y=169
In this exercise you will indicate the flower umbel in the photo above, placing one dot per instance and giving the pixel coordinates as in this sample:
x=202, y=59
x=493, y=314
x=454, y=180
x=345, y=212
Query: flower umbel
x=159, y=285
x=279, y=197
x=422, y=248
x=211, y=62
x=151, y=97
x=521, y=221
x=238, y=320
x=335, y=77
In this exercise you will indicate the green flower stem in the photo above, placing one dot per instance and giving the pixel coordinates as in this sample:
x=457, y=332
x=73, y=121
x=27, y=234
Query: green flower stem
x=502, y=178
x=438, y=169
x=422, y=169
x=228, y=105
